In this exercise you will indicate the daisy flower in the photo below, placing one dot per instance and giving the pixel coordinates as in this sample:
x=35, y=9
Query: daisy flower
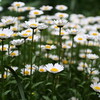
x=54, y=68
x=18, y=4
x=9, y=20
x=95, y=87
x=61, y=15
x=42, y=68
x=17, y=42
x=36, y=12
x=61, y=7
x=46, y=8
x=32, y=23
x=5, y=33
x=26, y=33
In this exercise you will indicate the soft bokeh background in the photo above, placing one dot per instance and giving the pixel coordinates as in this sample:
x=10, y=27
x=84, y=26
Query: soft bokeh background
x=86, y=7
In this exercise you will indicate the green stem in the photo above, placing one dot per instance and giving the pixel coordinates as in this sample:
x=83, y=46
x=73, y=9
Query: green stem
x=31, y=65
x=24, y=57
x=32, y=52
x=2, y=65
x=72, y=50
x=40, y=46
x=60, y=45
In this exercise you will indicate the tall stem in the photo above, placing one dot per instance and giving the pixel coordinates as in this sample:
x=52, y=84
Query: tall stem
x=72, y=49
x=2, y=65
x=32, y=52
x=8, y=60
x=60, y=45
x=40, y=46
x=24, y=57
x=31, y=65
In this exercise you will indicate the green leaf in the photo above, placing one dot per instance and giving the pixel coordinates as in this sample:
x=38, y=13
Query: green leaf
x=33, y=59
x=5, y=93
x=46, y=98
x=18, y=82
x=54, y=98
x=35, y=85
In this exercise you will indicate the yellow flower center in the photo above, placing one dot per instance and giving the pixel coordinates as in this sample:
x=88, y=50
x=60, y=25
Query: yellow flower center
x=73, y=31
x=41, y=70
x=12, y=46
x=54, y=70
x=18, y=5
x=26, y=72
x=83, y=56
x=14, y=34
x=70, y=44
x=55, y=58
x=49, y=22
x=5, y=76
x=30, y=68
x=83, y=66
x=13, y=54
x=30, y=37
x=28, y=8
x=97, y=87
x=65, y=62
x=33, y=25
x=8, y=21
x=61, y=7
x=80, y=38
x=49, y=42
x=14, y=28
x=92, y=72
x=28, y=31
x=47, y=46
x=75, y=26
x=36, y=12
x=95, y=34
x=19, y=17
x=62, y=33
x=64, y=46
x=25, y=34
x=46, y=8
x=61, y=15
x=4, y=48
x=2, y=34
x=55, y=27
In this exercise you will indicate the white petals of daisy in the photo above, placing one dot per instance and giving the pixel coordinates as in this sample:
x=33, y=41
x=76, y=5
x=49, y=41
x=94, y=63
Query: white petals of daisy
x=95, y=86
x=61, y=7
x=54, y=68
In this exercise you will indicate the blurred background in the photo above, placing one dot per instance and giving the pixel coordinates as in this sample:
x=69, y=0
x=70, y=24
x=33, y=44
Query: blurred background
x=86, y=7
